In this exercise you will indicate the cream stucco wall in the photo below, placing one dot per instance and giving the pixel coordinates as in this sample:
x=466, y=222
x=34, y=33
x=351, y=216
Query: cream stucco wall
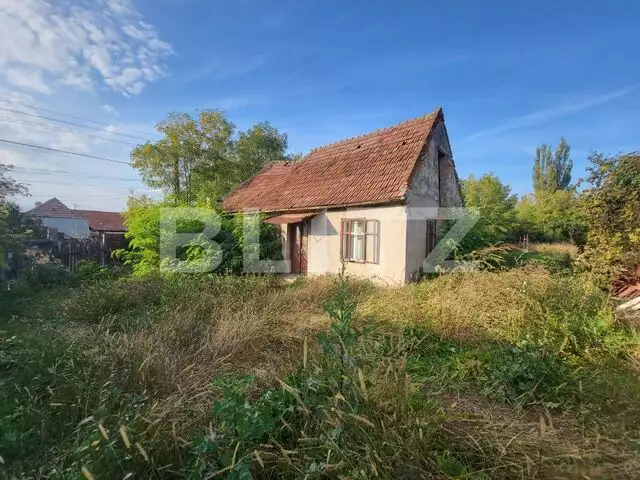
x=323, y=250
x=403, y=227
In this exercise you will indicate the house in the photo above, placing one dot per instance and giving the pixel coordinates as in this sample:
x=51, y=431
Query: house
x=77, y=223
x=360, y=201
x=103, y=222
x=100, y=232
x=109, y=228
x=56, y=215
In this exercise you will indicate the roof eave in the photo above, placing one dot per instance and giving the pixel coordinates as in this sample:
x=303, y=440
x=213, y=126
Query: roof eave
x=388, y=201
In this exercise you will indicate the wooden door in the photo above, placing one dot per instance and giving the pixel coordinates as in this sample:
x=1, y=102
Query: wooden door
x=298, y=235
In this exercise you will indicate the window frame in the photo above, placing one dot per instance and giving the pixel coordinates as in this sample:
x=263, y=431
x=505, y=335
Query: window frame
x=346, y=232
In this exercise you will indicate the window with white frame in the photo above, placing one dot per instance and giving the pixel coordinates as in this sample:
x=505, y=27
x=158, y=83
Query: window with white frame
x=360, y=240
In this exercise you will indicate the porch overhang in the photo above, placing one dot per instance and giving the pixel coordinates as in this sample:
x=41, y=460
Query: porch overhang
x=290, y=218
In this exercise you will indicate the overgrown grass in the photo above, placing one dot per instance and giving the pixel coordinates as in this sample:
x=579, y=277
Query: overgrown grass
x=511, y=374
x=558, y=247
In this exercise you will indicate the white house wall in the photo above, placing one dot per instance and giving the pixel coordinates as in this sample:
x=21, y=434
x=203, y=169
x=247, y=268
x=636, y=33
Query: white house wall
x=323, y=249
x=72, y=227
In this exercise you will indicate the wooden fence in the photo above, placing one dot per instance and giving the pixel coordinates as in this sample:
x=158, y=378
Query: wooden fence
x=69, y=252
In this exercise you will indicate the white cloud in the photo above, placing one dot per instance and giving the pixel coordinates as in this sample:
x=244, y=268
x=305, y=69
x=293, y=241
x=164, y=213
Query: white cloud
x=109, y=109
x=26, y=78
x=48, y=44
x=93, y=183
x=61, y=56
x=543, y=116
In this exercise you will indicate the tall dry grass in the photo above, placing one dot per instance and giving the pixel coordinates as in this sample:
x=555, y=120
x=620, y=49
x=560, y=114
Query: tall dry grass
x=558, y=247
x=151, y=351
x=493, y=306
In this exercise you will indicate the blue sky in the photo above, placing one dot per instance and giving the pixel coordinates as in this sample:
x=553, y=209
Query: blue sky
x=508, y=77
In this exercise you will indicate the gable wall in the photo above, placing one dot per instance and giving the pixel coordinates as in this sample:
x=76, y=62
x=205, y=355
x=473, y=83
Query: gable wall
x=423, y=197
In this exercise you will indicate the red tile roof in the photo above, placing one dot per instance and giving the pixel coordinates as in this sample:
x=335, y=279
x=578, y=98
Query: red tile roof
x=102, y=221
x=369, y=169
x=52, y=208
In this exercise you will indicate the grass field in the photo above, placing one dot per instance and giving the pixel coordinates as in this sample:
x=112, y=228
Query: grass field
x=513, y=374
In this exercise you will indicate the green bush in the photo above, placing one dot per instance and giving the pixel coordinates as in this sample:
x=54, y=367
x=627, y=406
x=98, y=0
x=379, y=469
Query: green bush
x=144, y=231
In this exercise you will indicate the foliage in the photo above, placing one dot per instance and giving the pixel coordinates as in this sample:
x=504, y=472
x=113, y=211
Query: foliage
x=327, y=417
x=552, y=217
x=611, y=209
x=189, y=376
x=495, y=206
x=493, y=209
x=552, y=172
x=550, y=214
x=152, y=228
x=202, y=157
x=12, y=230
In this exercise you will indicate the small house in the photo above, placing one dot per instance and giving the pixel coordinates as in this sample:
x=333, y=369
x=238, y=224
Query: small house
x=353, y=202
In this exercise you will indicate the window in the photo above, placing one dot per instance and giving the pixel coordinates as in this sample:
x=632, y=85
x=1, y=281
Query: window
x=359, y=240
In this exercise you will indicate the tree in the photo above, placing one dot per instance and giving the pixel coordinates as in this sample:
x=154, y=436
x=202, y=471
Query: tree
x=552, y=172
x=261, y=145
x=8, y=186
x=202, y=157
x=12, y=230
x=495, y=209
x=558, y=217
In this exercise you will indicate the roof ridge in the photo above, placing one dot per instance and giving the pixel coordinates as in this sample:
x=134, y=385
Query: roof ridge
x=363, y=136
x=87, y=210
x=47, y=203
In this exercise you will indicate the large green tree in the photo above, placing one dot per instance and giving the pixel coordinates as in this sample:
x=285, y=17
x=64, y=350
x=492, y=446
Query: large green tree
x=494, y=205
x=552, y=171
x=203, y=156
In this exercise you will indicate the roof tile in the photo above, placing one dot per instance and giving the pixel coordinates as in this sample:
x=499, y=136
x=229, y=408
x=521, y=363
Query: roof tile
x=102, y=221
x=371, y=168
x=52, y=208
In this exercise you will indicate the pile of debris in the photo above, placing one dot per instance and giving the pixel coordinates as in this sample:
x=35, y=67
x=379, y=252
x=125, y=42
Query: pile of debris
x=627, y=285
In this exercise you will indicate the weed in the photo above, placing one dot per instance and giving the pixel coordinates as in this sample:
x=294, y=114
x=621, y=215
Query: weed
x=238, y=376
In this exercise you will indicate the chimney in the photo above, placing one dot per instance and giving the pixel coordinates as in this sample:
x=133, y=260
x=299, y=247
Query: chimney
x=38, y=204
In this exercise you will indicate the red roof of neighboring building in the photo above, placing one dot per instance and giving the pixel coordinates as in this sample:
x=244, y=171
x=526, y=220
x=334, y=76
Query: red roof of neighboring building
x=52, y=208
x=102, y=221
x=369, y=169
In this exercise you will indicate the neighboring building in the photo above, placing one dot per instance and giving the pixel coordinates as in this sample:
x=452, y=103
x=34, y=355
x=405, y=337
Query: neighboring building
x=365, y=200
x=109, y=227
x=56, y=215
x=103, y=222
x=90, y=234
x=77, y=223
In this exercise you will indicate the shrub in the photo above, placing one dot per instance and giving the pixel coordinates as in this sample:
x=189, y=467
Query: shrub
x=611, y=208
x=144, y=231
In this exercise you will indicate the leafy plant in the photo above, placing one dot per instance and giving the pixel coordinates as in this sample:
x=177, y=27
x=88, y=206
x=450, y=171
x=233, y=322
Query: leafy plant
x=611, y=209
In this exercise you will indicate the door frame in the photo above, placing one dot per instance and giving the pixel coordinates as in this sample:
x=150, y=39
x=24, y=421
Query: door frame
x=298, y=241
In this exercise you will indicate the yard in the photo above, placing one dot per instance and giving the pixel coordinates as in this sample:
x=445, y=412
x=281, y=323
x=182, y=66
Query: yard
x=520, y=373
